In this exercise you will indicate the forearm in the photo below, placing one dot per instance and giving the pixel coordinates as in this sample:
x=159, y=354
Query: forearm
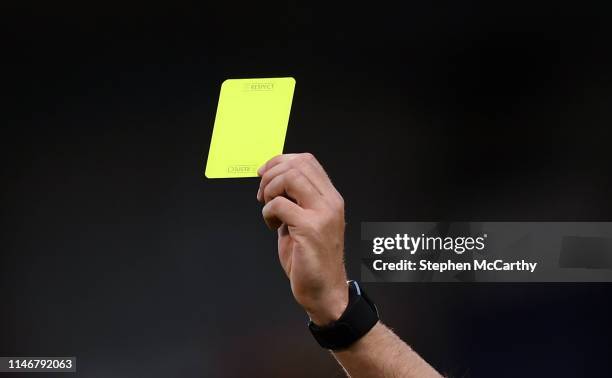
x=308, y=213
x=381, y=353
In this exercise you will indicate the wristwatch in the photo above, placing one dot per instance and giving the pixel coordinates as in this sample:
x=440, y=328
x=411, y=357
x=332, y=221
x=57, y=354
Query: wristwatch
x=358, y=318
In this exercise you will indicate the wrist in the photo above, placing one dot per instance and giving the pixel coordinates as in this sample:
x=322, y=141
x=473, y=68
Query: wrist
x=331, y=307
x=359, y=316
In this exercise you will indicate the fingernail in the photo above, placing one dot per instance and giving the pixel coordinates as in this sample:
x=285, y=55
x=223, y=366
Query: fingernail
x=258, y=193
x=261, y=169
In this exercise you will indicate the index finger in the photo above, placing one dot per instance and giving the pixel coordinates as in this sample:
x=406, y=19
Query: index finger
x=275, y=161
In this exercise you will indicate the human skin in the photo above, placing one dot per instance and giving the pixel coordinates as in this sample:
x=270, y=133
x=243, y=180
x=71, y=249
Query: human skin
x=302, y=204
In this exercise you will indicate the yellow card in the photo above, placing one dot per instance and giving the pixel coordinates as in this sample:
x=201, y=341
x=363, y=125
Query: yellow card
x=250, y=125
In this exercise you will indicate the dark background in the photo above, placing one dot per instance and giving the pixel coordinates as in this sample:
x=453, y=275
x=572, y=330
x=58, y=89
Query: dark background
x=116, y=250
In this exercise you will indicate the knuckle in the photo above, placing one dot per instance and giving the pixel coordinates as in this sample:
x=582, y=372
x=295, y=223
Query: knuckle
x=273, y=204
x=275, y=158
x=336, y=202
x=307, y=157
x=292, y=174
x=271, y=207
x=298, y=162
x=295, y=163
x=267, y=192
x=340, y=198
x=339, y=203
x=302, y=167
x=266, y=179
x=265, y=211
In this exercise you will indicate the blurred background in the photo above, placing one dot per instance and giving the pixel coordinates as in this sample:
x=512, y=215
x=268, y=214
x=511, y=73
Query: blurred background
x=116, y=250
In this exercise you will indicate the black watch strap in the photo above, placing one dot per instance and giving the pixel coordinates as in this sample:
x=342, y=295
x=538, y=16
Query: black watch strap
x=358, y=318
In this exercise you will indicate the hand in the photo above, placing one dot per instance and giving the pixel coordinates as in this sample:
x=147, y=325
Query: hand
x=308, y=212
